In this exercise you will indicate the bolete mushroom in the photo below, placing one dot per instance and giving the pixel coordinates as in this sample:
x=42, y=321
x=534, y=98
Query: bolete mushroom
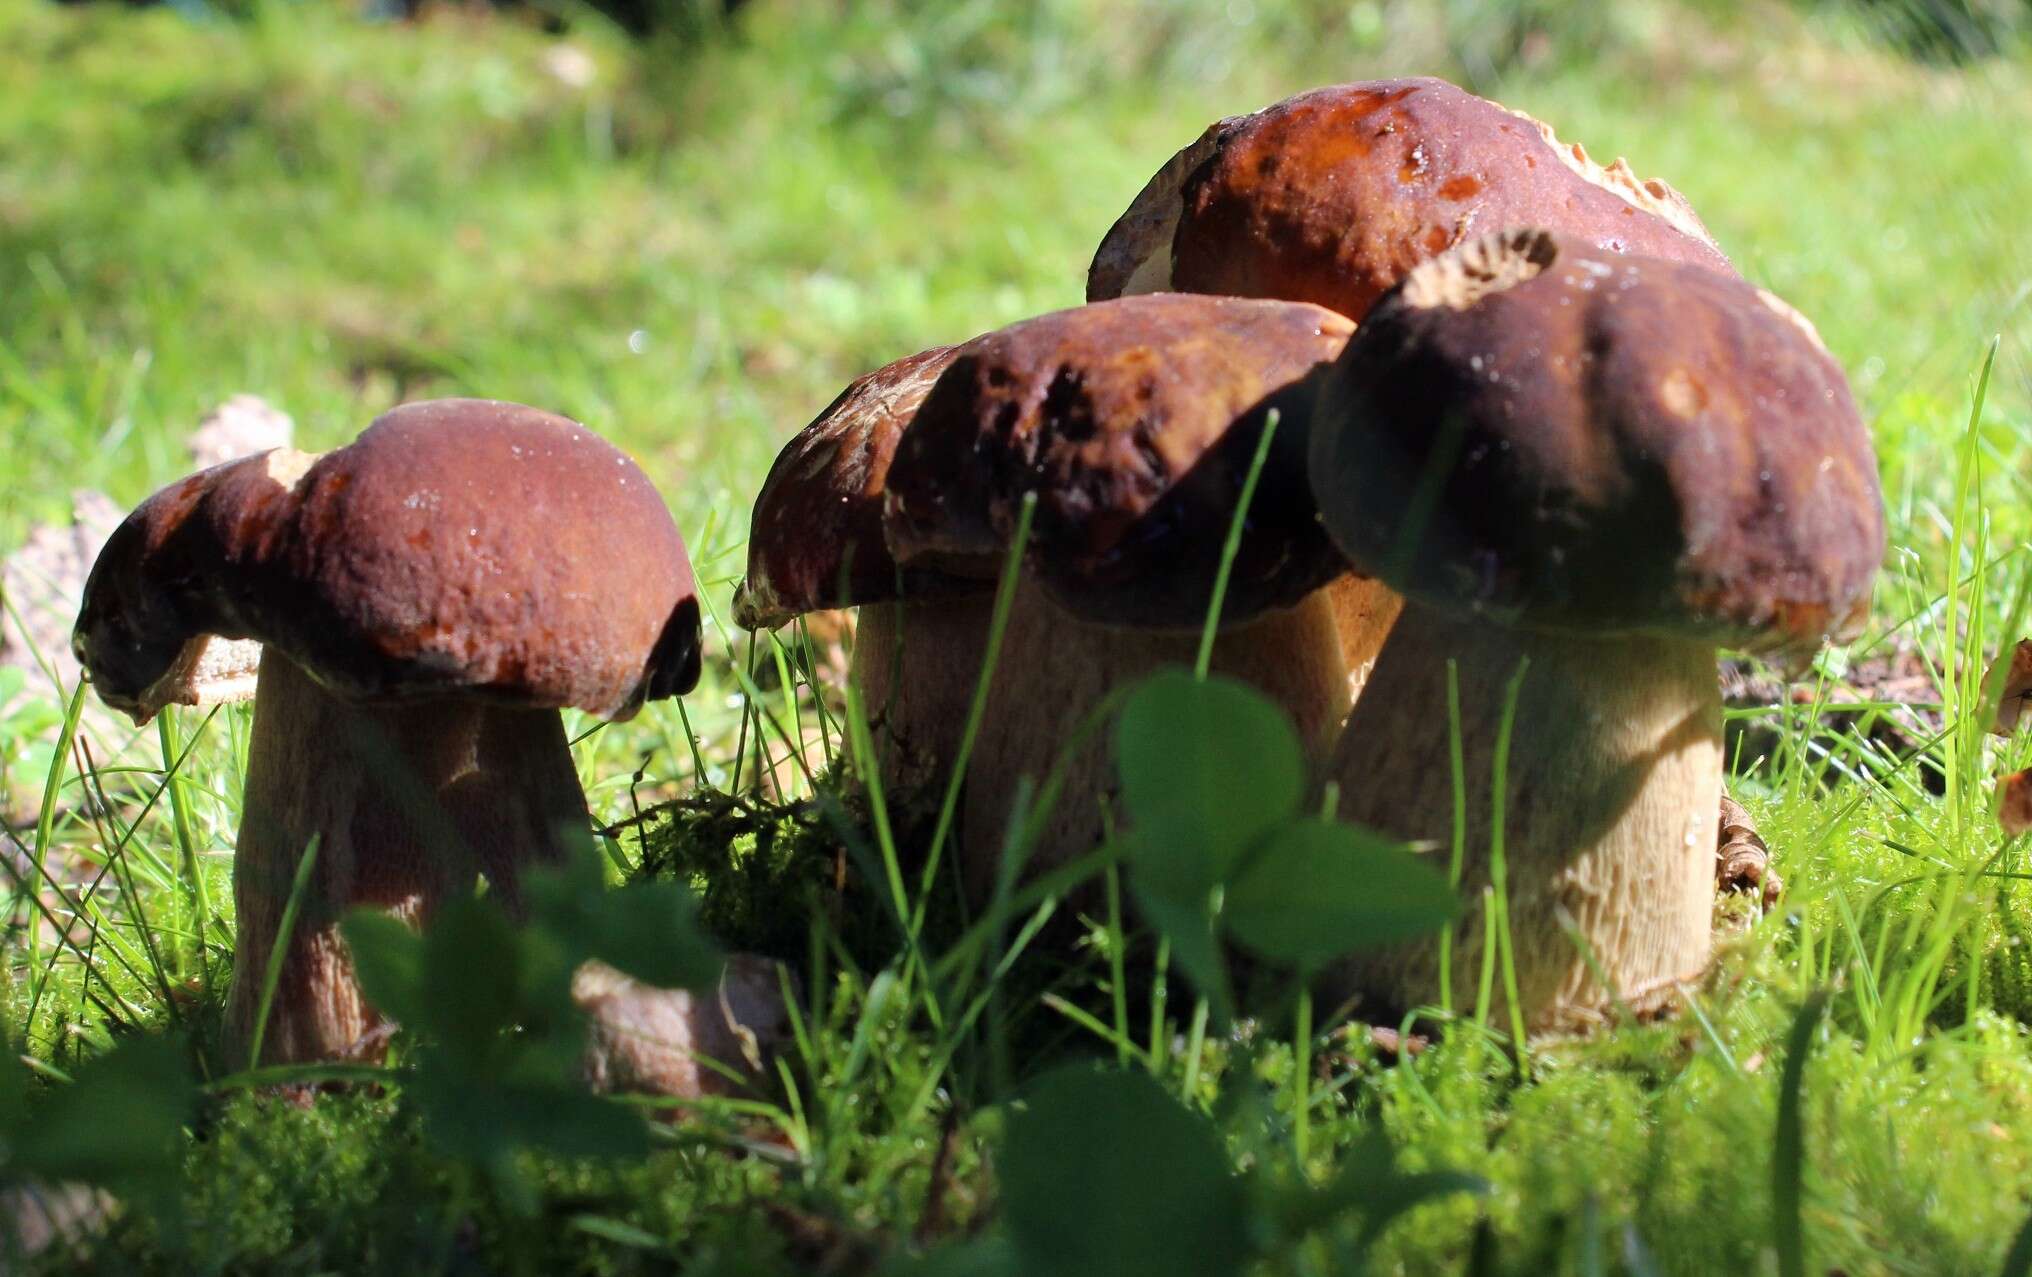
x=1134, y=424
x=1607, y=466
x=1331, y=196
x=2016, y=686
x=429, y=596
x=815, y=541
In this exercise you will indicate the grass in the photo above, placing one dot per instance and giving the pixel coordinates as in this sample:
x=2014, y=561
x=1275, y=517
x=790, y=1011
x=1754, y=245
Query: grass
x=692, y=252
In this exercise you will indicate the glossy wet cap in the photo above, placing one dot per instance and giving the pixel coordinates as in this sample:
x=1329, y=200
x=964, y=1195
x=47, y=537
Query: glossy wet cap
x=815, y=539
x=1333, y=195
x=1134, y=422
x=458, y=546
x=1554, y=436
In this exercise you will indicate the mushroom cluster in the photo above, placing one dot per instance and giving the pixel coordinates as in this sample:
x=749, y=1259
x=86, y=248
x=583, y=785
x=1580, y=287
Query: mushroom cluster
x=1415, y=398
x=1522, y=396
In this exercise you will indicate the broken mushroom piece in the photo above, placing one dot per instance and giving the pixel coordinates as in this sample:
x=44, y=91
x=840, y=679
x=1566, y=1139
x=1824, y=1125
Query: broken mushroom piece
x=682, y=1043
x=1607, y=467
x=2016, y=689
x=815, y=541
x=429, y=597
x=2014, y=803
x=1134, y=424
x=1333, y=195
x=1742, y=861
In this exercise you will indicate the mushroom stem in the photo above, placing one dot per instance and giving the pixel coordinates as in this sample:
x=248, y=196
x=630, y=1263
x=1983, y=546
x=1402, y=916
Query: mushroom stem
x=407, y=803
x=916, y=664
x=1364, y=609
x=1055, y=669
x=1614, y=776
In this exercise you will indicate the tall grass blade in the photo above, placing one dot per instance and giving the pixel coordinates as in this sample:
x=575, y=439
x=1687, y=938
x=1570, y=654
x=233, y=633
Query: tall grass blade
x=278, y=954
x=1788, y=1144
x=1233, y=545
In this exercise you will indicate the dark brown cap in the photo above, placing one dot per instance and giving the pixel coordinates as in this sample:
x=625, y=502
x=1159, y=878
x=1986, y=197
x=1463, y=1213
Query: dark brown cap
x=1135, y=423
x=1561, y=437
x=1331, y=196
x=815, y=540
x=457, y=546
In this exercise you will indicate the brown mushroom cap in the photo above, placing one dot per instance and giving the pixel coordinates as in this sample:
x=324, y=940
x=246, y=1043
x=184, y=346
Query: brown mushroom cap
x=459, y=545
x=815, y=540
x=1135, y=423
x=1564, y=438
x=1331, y=196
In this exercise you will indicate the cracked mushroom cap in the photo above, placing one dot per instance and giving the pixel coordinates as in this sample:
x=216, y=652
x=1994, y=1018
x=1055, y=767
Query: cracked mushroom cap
x=1135, y=423
x=457, y=546
x=815, y=538
x=1331, y=196
x=1563, y=438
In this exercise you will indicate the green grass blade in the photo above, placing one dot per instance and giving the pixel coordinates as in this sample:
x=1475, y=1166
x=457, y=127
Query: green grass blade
x=271, y=976
x=1233, y=545
x=1788, y=1143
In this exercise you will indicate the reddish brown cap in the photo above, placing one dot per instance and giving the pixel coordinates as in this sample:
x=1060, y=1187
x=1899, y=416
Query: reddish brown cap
x=1135, y=423
x=1331, y=196
x=1561, y=437
x=457, y=546
x=815, y=540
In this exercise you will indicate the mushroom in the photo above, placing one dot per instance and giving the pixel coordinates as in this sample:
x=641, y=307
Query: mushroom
x=1134, y=424
x=1333, y=195
x=429, y=596
x=815, y=541
x=1608, y=466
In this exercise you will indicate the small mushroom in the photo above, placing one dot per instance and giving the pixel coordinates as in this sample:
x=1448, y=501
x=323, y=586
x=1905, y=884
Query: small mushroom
x=1134, y=424
x=429, y=597
x=815, y=541
x=1333, y=195
x=1608, y=465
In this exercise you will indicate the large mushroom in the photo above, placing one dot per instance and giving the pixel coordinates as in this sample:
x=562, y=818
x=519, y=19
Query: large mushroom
x=1331, y=196
x=1605, y=466
x=1133, y=423
x=815, y=541
x=429, y=597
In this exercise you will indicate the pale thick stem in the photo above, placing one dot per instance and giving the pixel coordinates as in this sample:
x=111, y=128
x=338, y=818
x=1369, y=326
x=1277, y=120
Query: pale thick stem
x=1054, y=670
x=1364, y=610
x=1615, y=771
x=406, y=803
x=916, y=665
